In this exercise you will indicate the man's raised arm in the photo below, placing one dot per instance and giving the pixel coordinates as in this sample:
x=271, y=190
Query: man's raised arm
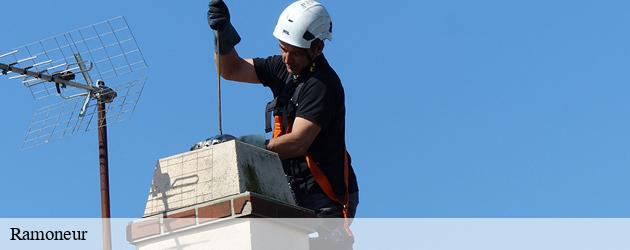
x=233, y=67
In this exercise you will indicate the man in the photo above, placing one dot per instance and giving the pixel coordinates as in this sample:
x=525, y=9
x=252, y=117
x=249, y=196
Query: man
x=308, y=105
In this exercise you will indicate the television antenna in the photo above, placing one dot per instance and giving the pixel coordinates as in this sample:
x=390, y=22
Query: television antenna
x=76, y=66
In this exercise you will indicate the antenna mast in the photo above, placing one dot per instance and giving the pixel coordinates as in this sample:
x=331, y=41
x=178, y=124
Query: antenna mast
x=64, y=65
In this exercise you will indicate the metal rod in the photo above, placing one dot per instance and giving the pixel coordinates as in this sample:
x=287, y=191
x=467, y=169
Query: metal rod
x=18, y=76
x=41, y=63
x=104, y=173
x=84, y=70
x=32, y=66
x=56, y=66
x=218, y=44
x=85, y=104
x=45, y=77
x=29, y=81
x=10, y=53
x=26, y=59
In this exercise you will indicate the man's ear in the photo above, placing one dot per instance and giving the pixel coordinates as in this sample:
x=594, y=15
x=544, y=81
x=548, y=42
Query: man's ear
x=317, y=47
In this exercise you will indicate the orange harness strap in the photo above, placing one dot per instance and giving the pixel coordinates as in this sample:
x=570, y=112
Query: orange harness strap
x=277, y=126
x=323, y=182
x=320, y=177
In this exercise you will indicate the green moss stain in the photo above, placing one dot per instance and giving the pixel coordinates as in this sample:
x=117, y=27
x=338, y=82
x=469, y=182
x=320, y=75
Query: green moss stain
x=252, y=183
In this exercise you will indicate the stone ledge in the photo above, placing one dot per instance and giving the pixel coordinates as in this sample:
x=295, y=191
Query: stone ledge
x=215, y=211
x=245, y=205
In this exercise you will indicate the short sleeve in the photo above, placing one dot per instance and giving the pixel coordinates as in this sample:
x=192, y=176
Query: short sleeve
x=271, y=72
x=313, y=104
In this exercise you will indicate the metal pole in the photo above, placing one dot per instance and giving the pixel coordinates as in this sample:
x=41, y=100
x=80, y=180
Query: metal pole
x=219, y=80
x=45, y=77
x=102, y=150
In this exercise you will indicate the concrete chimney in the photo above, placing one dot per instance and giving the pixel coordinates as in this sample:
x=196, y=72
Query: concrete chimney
x=220, y=197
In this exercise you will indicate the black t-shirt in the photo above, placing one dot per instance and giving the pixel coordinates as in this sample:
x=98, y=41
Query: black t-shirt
x=320, y=100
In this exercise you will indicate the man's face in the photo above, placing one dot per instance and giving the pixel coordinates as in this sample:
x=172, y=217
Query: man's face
x=296, y=59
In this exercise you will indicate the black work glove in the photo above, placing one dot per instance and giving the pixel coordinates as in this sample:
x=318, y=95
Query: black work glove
x=219, y=20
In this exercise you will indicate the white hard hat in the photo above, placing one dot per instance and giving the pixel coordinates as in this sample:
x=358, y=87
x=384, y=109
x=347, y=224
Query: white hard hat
x=302, y=22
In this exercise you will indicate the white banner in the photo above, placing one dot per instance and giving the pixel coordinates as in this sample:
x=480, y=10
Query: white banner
x=296, y=234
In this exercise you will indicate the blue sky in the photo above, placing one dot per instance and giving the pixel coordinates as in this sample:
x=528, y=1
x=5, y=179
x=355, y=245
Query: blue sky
x=454, y=108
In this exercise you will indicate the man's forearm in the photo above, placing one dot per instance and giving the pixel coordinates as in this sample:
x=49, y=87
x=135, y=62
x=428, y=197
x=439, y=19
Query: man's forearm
x=287, y=146
x=229, y=63
x=235, y=68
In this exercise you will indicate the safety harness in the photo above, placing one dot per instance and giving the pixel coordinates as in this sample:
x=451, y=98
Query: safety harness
x=284, y=108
